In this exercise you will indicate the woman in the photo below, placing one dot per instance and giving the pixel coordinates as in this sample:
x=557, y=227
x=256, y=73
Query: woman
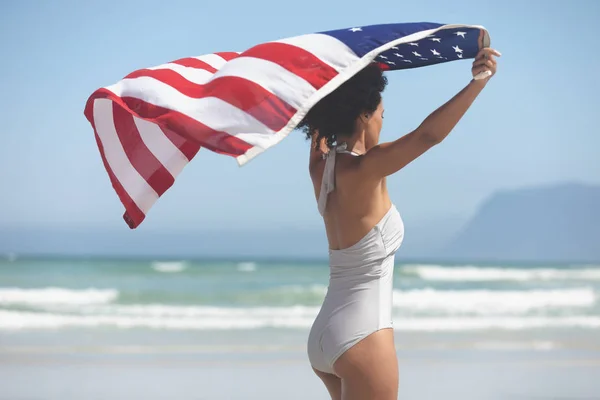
x=351, y=344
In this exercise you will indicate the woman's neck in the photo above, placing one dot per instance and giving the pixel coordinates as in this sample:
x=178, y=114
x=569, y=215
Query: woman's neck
x=356, y=143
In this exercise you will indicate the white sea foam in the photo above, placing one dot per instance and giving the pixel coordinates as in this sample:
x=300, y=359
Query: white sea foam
x=495, y=323
x=168, y=311
x=56, y=296
x=540, y=345
x=315, y=289
x=19, y=320
x=246, y=266
x=169, y=266
x=486, y=302
x=478, y=274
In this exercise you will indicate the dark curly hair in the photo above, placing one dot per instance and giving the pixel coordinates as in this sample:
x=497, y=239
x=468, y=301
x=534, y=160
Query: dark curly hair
x=335, y=115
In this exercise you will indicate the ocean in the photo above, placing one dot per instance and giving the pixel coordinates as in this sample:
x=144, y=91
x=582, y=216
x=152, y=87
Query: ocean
x=275, y=302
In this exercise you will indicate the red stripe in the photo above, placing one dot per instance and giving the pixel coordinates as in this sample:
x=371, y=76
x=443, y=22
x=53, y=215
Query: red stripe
x=227, y=55
x=295, y=60
x=217, y=141
x=195, y=63
x=142, y=159
x=239, y=92
x=133, y=216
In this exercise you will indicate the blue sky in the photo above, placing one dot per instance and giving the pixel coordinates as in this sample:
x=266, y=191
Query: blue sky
x=535, y=124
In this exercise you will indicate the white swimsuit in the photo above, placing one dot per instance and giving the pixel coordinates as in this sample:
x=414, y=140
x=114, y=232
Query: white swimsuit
x=359, y=296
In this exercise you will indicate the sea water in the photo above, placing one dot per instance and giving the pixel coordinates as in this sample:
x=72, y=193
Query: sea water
x=226, y=303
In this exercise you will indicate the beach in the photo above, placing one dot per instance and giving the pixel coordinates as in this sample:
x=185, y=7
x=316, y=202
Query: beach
x=206, y=329
x=189, y=373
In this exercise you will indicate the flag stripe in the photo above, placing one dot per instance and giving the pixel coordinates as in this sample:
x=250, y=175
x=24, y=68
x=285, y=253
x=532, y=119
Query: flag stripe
x=326, y=48
x=140, y=157
x=188, y=148
x=193, y=75
x=133, y=183
x=161, y=147
x=286, y=85
x=241, y=93
x=227, y=55
x=215, y=113
x=194, y=63
x=296, y=60
x=133, y=215
x=213, y=60
x=219, y=142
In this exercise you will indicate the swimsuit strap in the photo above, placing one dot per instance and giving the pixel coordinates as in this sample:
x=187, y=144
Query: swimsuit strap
x=328, y=181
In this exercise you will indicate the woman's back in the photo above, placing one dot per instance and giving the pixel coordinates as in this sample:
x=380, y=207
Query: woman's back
x=355, y=205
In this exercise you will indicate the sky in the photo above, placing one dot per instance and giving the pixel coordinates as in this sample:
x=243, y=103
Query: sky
x=535, y=123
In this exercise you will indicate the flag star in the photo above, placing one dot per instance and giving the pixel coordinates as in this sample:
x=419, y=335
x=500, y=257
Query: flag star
x=355, y=29
x=408, y=61
x=460, y=55
x=423, y=58
x=436, y=39
x=457, y=49
x=391, y=62
x=461, y=34
x=398, y=55
x=416, y=54
x=382, y=56
x=435, y=52
x=414, y=44
x=394, y=47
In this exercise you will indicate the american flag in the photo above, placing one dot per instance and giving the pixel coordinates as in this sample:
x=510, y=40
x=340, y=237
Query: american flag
x=151, y=123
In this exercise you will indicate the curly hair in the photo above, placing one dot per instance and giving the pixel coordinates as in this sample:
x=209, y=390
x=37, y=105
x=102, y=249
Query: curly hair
x=335, y=115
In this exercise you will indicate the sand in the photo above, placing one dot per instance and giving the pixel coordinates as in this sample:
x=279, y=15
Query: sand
x=187, y=372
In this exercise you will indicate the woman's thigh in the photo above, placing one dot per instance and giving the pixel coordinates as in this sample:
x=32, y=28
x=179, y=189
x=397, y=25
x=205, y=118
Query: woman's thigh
x=369, y=370
x=332, y=383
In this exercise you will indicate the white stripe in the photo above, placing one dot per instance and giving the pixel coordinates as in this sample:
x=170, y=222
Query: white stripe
x=195, y=75
x=160, y=145
x=284, y=84
x=134, y=184
x=328, y=49
x=210, y=111
x=213, y=60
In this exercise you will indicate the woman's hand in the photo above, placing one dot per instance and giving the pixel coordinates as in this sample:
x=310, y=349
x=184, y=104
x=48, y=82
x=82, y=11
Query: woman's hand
x=484, y=65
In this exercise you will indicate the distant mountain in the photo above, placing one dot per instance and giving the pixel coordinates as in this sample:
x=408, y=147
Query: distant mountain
x=555, y=223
